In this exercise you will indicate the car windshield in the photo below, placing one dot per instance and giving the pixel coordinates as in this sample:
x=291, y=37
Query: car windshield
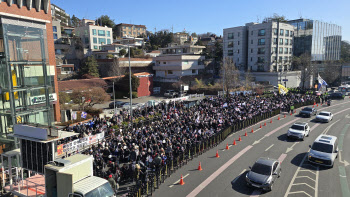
x=307, y=109
x=261, y=169
x=297, y=127
x=326, y=148
x=104, y=190
x=323, y=114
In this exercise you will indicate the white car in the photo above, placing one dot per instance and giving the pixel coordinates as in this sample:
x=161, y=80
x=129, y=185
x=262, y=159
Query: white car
x=299, y=130
x=324, y=116
x=324, y=150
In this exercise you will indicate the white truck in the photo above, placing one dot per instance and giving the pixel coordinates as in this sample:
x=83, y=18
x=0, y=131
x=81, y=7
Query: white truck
x=73, y=177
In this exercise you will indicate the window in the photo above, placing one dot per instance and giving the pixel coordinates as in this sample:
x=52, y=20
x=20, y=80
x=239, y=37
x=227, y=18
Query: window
x=287, y=32
x=86, y=32
x=261, y=32
x=94, y=32
x=261, y=59
x=281, y=41
x=123, y=27
x=101, y=33
x=185, y=62
x=251, y=50
x=261, y=50
x=290, y=51
x=261, y=41
x=194, y=71
x=286, y=42
x=230, y=36
x=275, y=31
x=102, y=40
x=230, y=44
x=251, y=33
x=164, y=62
x=238, y=42
x=281, y=32
x=285, y=50
x=108, y=41
x=290, y=42
x=170, y=72
x=54, y=28
x=274, y=50
x=95, y=40
x=286, y=59
x=238, y=51
x=95, y=47
x=239, y=33
x=86, y=40
x=274, y=40
x=251, y=59
x=55, y=36
x=274, y=58
x=230, y=52
x=129, y=32
x=124, y=32
x=291, y=33
x=280, y=59
x=251, y=42
x=281, y=50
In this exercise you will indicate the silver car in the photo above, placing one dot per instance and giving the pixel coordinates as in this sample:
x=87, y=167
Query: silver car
x=324, y=116
x=264, y=173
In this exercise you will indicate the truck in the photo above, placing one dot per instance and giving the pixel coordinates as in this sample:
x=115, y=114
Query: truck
x=73, y=177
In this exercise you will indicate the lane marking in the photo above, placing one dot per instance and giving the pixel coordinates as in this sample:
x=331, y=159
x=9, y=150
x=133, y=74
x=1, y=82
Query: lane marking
x=206, y=182
x=344, y=182
x=307, y=171
x=291, y=148
x=298, y=192
x=305, y=184
x=269, y=147
x=172, y=185
x=327, y=129
x=341, y=138
x=238, y=176
x=282, y=157
x=306, y=177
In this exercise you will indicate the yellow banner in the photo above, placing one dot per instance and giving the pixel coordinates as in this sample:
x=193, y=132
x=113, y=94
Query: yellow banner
x=282, y=90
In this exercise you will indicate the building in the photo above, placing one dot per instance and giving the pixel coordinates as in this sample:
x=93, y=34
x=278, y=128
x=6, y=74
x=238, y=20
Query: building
x=60, y=15
x=260, y=47
x=93, y=36
x=182, y=38
x=110, y=51
x=176, y=61
x=129, y=30
x=108, y=67
x=133, y=42
x=28, y=81
x=322, y=41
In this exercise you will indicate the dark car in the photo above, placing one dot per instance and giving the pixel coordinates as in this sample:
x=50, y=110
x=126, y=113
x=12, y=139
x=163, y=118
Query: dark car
x=117, y=104
x=308, y=112
x=336, y=95
x=264, y=173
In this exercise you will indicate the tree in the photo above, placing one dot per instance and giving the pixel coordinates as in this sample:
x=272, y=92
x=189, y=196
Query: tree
x=116, y=69
x=90, y=67
x=64, y=97
x=96, y=95
x=124, y=82
x=275, y=17
x=229, y=75
x=194, y=34
x=303, y=63
x=122, y=52
x=75, y=21
x=345, y=52
x=104, y=20
x=248, y=79
x=331, y=73
x=109, y=56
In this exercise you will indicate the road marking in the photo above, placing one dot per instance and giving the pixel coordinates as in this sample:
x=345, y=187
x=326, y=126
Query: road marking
x=298, y=192
x=305, y=177
x=258, y=141
x=172, y=185
x=238, y=176
x=206, y=182
x=344, y=182
x=291, y=148
x=282, y=157
x=269, y=147
x=327, y=129
x=230, y=145
x=341, y=138
x=275, y=130
x=305, y=184
x=307, y=171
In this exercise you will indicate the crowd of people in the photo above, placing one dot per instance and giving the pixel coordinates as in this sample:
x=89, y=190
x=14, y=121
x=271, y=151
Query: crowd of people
x=126, y=154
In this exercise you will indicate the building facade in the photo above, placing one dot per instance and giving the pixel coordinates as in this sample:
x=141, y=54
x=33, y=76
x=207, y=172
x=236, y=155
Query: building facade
x=320, y=40
x=93, y=36
x=130, y=30
x=28, y=81
x=60, y=15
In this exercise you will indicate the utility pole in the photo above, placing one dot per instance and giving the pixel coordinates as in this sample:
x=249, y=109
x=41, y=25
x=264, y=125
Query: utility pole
x=130, y=85
x=277, y=49
x=114, y=98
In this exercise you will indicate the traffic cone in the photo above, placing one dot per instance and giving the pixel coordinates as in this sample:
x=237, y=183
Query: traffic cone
x=246, y=134
x=265, y=124
x=253, y=129
x=227, y=148
x=234, y=142
x=317, y=104
x=260, y=127
x=295, y=111
x=182, y=181
x=291, y=113
x=278, y=118
x=284, y=115
x=200, y=167
x=239, y=139
x=271, y=121
x=217, y=154
x=314, y=103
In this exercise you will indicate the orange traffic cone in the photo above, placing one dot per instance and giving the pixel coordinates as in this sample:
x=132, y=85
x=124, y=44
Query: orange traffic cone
x=295, y=111
x=260, y=126
x=314, y=103
x=284, y=115
x=291, y=113
x=317, y=104
x=246, y=134
x=239, y=139
x=182, y=181
x=271, y=121
x=227, y=148
x=265, y=124
x=234, y=142
x=253, y=129
x=217, y=154
x=200, y=167
x=279, y=118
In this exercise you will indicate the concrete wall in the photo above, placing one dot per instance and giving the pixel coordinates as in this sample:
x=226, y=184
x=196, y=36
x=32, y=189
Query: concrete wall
x=275, y=78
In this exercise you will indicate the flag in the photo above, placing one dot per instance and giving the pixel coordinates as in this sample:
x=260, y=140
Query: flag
x=83, y=114
x=74, y=115
x=282, y=90
x=321, y=82
x=224, y=105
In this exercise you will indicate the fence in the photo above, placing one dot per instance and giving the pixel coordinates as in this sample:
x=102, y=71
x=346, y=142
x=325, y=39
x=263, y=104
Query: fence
x=154, y=179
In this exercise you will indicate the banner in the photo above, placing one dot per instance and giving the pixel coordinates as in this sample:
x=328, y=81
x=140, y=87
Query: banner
x=282, y=90
x=83, y=114
x=59, y=149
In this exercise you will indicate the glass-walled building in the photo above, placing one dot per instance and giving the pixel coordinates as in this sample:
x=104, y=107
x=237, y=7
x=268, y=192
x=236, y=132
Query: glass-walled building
x=322, y=41
x=27, y=70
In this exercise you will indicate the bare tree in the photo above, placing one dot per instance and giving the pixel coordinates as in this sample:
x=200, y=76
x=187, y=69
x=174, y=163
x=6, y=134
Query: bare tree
x=229, y=75
x=332, y=71
x=116, y=69
x=248, y=79
x=303, y=63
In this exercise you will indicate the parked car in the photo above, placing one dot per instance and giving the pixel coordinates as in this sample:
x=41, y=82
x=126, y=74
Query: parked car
x=299, y=130
x=117, y=104
x=308, y=112
x=324, y=116
x=171, y=94
x=336, y=95
x=264, y=173
x=127, y=106
x=324, y=150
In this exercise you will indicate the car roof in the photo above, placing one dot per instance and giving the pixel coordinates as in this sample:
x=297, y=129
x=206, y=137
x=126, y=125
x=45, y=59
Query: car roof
x=300, y=123
x=266, y=161
x=307, y=108
x=326, y=139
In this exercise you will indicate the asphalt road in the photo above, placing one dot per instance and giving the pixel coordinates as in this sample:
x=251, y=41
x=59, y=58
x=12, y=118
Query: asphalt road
x=225, y=176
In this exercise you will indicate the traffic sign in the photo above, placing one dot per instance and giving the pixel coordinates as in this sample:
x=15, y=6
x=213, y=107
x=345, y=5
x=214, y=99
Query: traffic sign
x=284, y=79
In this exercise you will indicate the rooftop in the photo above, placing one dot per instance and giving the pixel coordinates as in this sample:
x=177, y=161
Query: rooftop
x=80, y=84
x=126, y=24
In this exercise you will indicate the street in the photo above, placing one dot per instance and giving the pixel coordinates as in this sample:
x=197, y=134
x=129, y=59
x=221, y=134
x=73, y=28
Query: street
x=225, y=176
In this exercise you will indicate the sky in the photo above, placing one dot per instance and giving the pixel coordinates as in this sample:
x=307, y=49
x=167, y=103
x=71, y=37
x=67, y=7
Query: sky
x=203, y=16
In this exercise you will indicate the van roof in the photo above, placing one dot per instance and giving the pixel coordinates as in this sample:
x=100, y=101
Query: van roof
x=88, y=184
x=326, y=139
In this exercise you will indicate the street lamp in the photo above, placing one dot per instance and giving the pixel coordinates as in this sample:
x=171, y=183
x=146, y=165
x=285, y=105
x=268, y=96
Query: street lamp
x=130, y=84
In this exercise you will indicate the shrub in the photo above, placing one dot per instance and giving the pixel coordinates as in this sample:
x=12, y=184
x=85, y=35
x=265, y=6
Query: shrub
x=93, y=111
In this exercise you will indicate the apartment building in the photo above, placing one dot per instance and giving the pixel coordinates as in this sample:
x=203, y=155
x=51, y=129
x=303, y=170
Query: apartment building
x=109, y=50
x=235, y=45
x=93, y=36
x=130, y=30
x=60, y=15
x=176, y=61
x=28, y=81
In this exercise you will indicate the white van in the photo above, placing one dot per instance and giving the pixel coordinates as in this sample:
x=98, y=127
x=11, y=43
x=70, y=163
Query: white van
x=92, y=186
x=324, y=150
